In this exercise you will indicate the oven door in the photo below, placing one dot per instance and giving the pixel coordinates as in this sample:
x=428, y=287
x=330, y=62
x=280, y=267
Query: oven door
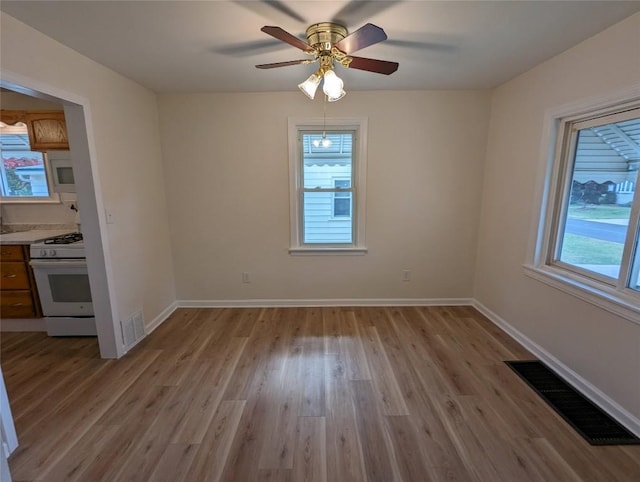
x=63, y=287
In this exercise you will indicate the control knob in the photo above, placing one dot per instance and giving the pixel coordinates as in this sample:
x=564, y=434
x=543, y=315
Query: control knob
x=52, y=252
x=43, y=252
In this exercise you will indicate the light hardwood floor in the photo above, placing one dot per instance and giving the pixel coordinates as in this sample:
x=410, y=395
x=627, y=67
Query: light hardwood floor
x=296, y=394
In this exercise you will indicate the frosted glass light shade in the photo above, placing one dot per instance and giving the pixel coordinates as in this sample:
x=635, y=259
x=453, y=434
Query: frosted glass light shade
x=333, y=86
x=309, y=86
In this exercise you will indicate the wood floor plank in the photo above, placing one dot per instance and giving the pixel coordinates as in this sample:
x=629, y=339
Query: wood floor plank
x=376, y=452
x=285, y=406
x=337, y=394
x=352, y=349
x=213, y=451
x=310, y=458
x=343, y=443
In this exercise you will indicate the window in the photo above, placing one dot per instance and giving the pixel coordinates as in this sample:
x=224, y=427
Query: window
x=327, y=185
x=590, y=241
x=24, y=175
x=342, y=198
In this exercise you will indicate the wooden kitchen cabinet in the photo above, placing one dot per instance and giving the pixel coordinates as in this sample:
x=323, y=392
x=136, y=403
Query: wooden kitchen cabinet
x=18, y=293
x=47, y=129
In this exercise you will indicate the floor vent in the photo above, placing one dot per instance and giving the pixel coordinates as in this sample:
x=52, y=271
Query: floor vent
x=132, y=329
x=595, y=425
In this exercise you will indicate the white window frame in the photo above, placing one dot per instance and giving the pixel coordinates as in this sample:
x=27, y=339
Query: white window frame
x=358, y=201
x=549, y=203
x=53, y=197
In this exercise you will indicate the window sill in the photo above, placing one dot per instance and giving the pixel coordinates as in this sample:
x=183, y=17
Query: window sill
x=324, y=251
x=609, y=299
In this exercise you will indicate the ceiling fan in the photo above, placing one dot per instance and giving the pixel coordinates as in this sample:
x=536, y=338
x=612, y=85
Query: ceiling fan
x=329, y=43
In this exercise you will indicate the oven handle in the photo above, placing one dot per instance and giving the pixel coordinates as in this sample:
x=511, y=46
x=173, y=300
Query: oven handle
x=58, y=263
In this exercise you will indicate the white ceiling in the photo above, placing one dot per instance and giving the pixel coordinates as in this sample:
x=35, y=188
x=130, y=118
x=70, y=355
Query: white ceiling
x=212, y=46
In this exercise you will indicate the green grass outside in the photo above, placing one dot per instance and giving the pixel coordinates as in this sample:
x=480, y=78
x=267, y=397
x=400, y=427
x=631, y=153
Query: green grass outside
x=578, y=249
x=602, y=211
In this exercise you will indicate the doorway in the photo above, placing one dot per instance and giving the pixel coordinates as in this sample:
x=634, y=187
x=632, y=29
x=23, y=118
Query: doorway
x=89, y=197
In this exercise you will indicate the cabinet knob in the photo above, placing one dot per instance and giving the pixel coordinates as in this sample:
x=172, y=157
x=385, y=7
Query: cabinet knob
x=16, y=304
x=10, y=275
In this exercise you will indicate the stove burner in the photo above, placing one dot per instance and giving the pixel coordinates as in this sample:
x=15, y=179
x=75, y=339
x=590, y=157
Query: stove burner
x=64, y=239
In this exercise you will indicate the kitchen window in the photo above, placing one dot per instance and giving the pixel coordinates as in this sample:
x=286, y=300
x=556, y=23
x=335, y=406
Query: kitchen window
x=589, y=245
x=24, y=174
x=327, y=186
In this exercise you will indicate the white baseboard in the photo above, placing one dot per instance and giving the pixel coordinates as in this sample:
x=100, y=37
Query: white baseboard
x=590, y=391
x=283, y=303
x=158, y=320
x=22, y=324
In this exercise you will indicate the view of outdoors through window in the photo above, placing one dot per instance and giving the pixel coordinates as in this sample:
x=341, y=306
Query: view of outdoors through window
x=22, y=171
x=327, y=189
x=603, y=185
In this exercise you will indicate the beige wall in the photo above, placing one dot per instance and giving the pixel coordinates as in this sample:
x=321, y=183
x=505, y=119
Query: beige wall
x=124, y=140
x=226, y=168
x=602, y=348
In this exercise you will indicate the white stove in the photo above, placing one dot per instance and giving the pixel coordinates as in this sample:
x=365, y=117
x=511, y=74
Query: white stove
x=60, y=270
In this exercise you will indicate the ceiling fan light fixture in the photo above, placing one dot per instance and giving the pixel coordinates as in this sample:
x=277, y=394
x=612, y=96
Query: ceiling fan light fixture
x=309, y=86
x=333, y=86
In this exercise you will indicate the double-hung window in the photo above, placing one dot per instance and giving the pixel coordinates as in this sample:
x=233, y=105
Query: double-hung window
x=590, y=243
x=327, y=183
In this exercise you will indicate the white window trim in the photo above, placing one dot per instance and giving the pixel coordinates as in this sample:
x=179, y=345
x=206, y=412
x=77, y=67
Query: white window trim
x=618, y=300
x=359, y=124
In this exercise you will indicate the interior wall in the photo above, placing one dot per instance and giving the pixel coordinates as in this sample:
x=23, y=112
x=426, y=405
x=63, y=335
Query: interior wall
x=226, y=167
x=126, y=164
x=602, y=348
x=33, y=213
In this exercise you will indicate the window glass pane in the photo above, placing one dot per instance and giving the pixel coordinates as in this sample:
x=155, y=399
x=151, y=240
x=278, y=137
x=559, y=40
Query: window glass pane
x=602, y=189
x=322, y=164
x=342, y=200
x=318, y=223
x=22, y=171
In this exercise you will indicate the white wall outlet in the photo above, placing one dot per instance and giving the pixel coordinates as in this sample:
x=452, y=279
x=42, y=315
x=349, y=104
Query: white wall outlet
x=406, y=275
x=245, y=277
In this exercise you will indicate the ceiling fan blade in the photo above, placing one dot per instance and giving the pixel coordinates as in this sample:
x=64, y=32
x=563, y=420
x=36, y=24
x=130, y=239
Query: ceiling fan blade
x=373, y=65
x=365, y=36
x=285, y=36
x=253, y=47
x=420, y=45
x=356, y=11
x=283, y=64
x=281, y=7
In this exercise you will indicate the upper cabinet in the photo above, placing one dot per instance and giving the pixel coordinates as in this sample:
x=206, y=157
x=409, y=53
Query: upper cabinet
x=47, y=129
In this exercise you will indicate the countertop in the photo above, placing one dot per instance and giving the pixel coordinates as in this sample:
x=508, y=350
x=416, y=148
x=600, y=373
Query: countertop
x=28, y=237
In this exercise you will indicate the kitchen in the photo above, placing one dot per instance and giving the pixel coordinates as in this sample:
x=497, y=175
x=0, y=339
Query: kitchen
x=45, y=282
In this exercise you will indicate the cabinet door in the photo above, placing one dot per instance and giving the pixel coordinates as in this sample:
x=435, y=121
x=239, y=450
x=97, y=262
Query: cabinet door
x=14, y=276
x=47, y=130
x=16, y=304
x=11, y=252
